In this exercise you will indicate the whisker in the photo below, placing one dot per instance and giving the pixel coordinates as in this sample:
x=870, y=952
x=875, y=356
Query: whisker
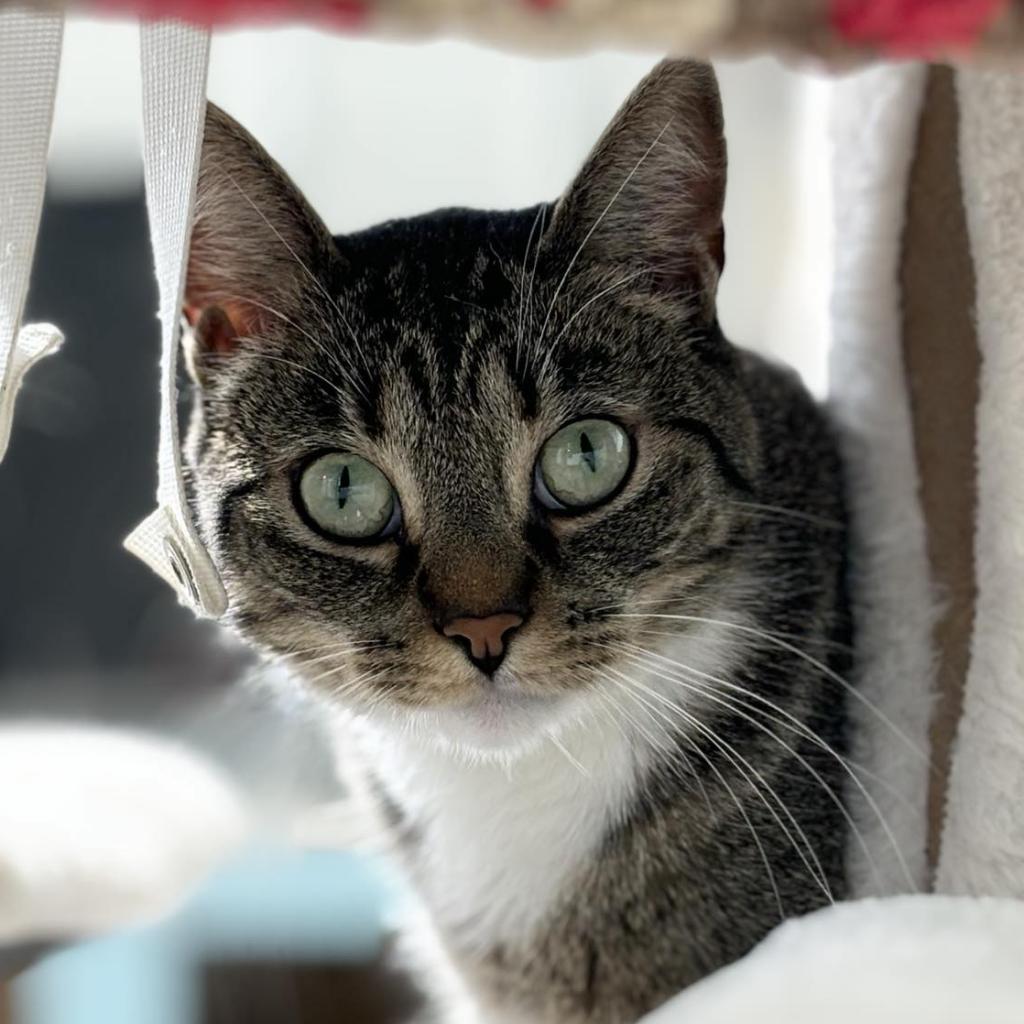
x=318, y=343
x=346, y=685
x=780, y=634
x=712, y=814
x=305, y=663
x=734, y=705
x=586, y=305
x=590, y=234
x=816, y=871
x=521, y=325
x=283, y=659
x=297, y=366
x=751, y=645
x=793, y=724
x=663, y=746
x=317, y=283
x=561, y=748
x=790, y=513
x=803, y=655
x=732, y=793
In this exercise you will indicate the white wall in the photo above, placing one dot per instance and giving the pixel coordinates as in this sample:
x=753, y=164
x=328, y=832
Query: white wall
x=376, y=130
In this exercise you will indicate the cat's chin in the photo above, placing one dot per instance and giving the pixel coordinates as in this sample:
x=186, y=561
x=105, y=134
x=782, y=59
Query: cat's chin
x=496, y=724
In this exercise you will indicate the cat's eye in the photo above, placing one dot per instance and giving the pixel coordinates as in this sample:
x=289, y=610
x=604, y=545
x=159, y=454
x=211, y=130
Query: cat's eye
x=348, y=498
x=583, y=464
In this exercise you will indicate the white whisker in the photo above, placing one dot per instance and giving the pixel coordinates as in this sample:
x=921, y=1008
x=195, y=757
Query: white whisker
x=523, y=311
x=317, y=283
x=318, y=343
x=586, y=305
x=303, y=369
x=813, y=865
x=803, y=655
x=561, y=748
x=734, y=705
x=590, y=234
x=625, y=686
x=790, y=513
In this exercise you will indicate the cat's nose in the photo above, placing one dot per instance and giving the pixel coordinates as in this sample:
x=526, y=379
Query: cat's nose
x=485, y=638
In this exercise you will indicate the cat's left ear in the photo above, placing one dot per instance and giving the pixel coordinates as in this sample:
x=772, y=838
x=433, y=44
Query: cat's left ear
x=650, y=194
x=259, y=254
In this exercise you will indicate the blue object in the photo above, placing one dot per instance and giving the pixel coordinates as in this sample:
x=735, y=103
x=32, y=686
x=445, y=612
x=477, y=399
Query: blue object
x=267, y=905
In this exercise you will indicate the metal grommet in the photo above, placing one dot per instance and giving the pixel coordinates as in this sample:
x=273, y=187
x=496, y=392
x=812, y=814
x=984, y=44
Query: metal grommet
x=179, y=566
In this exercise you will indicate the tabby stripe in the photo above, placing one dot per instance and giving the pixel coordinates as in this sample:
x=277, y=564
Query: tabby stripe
x=228, y=501
x=697, y=428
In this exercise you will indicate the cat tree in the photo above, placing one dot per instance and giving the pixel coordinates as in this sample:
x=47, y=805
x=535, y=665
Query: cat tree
x=927, y=384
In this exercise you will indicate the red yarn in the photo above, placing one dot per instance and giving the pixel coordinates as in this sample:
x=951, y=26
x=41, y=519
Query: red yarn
x=914, y=28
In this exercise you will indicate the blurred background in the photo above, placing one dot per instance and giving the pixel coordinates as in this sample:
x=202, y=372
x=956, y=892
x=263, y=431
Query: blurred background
x=370, y=131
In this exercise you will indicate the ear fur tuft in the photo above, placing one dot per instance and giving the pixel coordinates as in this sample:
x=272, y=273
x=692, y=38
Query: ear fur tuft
x=650, y=194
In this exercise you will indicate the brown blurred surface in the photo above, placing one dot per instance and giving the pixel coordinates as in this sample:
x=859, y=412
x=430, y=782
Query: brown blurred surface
x=941, y=357
x=282, y=993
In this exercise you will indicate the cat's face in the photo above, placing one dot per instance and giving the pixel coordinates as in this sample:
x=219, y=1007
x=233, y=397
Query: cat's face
x=436, y=462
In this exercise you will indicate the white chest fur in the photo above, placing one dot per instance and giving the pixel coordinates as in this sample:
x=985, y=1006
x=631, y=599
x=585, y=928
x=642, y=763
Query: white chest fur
x=496, y=844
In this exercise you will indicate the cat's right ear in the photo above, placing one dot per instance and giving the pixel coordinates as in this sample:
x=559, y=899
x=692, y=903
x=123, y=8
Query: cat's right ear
x=650, y=195
x=258, y=250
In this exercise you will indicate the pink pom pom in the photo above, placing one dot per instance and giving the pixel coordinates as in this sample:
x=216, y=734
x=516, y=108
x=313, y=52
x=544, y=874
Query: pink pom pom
x=914, y=28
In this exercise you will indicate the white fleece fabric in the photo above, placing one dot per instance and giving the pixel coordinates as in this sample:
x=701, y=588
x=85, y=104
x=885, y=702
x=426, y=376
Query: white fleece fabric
x=874, y=126
x=983, y=840
x=101, y=829
x=902, y=960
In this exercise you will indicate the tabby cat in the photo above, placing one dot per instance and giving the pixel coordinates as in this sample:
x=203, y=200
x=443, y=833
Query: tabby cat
x=564, y=564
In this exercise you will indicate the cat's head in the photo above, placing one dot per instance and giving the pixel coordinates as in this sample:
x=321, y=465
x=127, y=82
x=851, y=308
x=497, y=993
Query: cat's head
x=440, y=462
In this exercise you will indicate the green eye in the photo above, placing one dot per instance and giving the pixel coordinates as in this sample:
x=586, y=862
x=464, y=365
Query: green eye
x=583, y=464
x=348, y=497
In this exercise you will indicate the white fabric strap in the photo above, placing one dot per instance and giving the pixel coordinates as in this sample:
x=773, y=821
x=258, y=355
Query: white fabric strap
x=174, y=63
x=30, y=44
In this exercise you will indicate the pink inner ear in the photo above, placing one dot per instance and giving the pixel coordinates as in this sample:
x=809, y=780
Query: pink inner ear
x=216, y=329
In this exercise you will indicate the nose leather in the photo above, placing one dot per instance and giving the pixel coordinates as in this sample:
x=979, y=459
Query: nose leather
x=486, y=635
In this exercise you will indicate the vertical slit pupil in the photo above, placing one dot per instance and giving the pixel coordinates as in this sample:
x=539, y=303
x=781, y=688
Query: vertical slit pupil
x=587, y=451
x=344, y=486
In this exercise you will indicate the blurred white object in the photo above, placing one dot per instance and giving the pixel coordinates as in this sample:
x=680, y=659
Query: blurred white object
x=939, y=959
x=101, y=829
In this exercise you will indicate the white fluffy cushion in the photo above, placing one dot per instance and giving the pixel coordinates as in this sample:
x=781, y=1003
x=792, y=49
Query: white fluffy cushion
x=100, y=828
x=944, y=960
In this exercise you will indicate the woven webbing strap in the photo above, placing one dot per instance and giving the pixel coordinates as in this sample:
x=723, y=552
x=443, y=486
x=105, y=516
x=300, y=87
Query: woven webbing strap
x=174, y=63
x=29, y=59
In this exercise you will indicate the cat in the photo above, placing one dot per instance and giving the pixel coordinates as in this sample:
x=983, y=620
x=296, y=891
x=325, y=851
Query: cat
x=565, y=565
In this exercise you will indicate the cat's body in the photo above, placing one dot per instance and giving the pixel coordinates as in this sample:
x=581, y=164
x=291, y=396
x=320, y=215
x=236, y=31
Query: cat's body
x=605, y=730
x=592, y=880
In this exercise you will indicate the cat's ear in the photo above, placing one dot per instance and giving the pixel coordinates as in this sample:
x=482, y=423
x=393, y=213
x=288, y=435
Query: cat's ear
x=258, y=250
x=650, y=194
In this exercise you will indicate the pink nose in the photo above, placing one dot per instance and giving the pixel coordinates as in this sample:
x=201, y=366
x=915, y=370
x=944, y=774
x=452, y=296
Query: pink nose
x=485, y=636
